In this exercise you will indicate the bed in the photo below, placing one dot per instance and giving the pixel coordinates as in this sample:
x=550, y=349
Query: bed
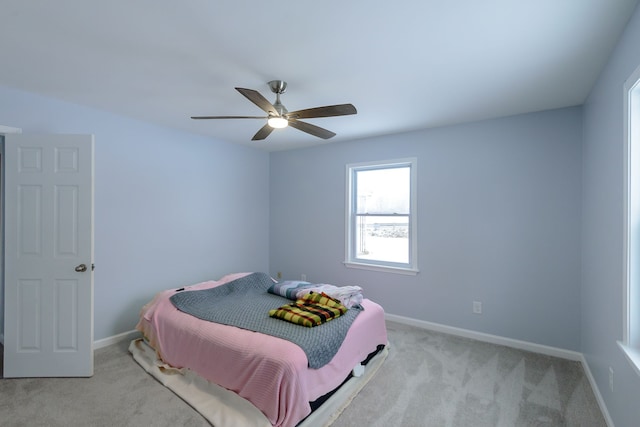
x=235, y=376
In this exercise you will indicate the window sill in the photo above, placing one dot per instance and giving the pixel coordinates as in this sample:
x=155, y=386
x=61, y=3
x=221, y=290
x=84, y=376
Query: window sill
x=396, y=270
x=633, y=356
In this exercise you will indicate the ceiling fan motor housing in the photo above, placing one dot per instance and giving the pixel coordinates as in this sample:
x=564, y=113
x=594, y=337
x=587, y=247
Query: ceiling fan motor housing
x=278, y=86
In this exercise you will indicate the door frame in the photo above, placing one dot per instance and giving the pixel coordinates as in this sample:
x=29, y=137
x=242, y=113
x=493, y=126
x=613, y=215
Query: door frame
x=4, y=130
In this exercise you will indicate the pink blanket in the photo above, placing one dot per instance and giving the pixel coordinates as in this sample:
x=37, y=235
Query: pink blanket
x=271, y=373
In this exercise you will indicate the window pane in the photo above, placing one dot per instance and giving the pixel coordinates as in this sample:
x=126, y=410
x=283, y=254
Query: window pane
x=383, y=238
x=383, y=191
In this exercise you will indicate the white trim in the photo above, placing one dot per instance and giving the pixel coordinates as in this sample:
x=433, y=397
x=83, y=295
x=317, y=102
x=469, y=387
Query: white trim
x=374, y=267
x=350, y=260
x=630, y=344
x=596, y=391
x=125, y=336
x=8, y=129
x=632, y=354
x=493, y=339
x=627, y=214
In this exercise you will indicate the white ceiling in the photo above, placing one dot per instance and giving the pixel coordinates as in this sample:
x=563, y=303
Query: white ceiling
x=405, y=65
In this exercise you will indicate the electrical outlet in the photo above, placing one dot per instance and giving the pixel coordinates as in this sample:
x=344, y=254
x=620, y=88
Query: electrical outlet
x=477, y=307
x=611, y=378
x=303, y=277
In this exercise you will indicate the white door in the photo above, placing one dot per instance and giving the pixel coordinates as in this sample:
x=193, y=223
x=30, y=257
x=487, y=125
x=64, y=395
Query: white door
x=48, y=256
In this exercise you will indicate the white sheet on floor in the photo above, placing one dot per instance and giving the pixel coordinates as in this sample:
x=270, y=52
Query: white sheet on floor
x=224, y=408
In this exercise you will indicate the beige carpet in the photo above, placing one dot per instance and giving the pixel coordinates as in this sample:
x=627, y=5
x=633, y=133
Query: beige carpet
x=428, y=379
x=437, y=380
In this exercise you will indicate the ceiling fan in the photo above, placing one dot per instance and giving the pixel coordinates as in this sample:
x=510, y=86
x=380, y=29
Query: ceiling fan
x=278, y=116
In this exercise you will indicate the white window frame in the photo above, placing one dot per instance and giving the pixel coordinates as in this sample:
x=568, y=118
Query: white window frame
x=630, y=343
x=351, y=261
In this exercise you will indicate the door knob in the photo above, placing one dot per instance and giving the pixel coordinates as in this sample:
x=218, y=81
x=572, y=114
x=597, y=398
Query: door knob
x=81, y=268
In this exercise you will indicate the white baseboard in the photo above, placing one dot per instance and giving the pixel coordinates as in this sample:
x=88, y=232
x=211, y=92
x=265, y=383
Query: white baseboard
x=125, y=336
x=129, y=335
x=596, y=392
x=493, y=339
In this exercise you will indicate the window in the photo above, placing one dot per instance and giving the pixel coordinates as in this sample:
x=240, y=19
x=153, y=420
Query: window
x=381, y=216
x=631, y=333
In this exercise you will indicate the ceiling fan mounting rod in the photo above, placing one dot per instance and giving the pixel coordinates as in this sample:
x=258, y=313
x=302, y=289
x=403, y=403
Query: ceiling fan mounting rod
x=278, y=87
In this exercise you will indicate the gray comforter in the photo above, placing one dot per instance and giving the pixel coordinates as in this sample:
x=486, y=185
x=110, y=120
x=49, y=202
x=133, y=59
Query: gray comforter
x=245, y=303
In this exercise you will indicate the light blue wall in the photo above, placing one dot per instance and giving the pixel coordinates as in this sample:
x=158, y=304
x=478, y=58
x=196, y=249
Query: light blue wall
x=171, y=208
x=498, y=221
x=602, y=248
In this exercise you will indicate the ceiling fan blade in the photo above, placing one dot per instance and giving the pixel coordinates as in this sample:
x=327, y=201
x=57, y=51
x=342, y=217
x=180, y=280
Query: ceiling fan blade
x=328, y=111
x=228, y=117
x=264, y=132
x=311, y=129
x=255, y=97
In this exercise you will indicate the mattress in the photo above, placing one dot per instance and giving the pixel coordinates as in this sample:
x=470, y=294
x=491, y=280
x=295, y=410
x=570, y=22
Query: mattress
x=270, y=373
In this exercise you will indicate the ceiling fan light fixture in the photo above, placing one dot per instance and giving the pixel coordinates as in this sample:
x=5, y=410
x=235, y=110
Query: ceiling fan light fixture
x=278, y=122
